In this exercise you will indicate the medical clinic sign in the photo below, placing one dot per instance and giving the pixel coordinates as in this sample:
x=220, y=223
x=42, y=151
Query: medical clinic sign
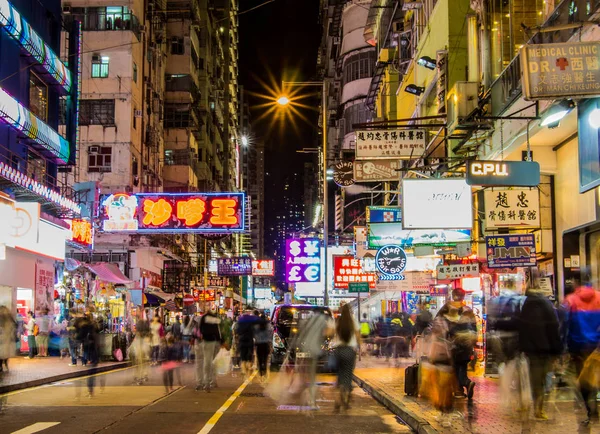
x=561, y=70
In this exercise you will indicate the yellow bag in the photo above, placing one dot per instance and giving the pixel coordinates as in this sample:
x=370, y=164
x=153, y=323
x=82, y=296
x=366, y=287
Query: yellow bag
x=438, y=384
x=590, y=374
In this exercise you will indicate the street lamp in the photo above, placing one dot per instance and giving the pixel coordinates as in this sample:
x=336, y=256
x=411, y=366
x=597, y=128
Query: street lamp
x=284, y=101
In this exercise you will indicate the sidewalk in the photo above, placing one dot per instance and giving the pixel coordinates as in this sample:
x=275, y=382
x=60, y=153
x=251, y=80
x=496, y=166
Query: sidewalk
x=24, y=373
x=385, y=382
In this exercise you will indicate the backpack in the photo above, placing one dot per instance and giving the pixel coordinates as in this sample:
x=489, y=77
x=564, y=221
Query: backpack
x=365, y=329
x=36, y=330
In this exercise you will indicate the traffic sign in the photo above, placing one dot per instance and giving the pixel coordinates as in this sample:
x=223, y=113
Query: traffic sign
x=358, y=287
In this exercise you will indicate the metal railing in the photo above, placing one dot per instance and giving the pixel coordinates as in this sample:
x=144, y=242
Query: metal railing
x=102, y=21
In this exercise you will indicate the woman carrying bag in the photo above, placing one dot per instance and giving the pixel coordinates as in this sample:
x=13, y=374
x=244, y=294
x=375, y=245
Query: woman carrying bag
x=347, y=339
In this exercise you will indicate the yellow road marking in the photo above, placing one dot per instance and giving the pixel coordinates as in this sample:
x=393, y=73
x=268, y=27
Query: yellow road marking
x=56, y=383
x=36, y=427
x=215, y=417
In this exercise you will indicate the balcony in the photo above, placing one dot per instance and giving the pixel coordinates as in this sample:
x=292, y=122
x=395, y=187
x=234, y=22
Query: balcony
x=102, y=21
x=507, y=87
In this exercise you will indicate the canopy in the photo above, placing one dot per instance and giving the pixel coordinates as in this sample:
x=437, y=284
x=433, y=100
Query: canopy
x=151, y=300
x=109, y=273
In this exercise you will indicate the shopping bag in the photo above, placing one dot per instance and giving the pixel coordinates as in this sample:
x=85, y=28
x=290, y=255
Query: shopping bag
x=222, y=362
x=590, y=374
x=515, y=384
x=118, y=355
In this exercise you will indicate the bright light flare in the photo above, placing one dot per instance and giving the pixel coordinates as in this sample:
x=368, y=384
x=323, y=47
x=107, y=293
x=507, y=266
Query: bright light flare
x=283, y=100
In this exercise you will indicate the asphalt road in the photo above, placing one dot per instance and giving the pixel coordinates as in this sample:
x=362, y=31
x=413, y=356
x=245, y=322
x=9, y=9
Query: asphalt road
x=118, y=405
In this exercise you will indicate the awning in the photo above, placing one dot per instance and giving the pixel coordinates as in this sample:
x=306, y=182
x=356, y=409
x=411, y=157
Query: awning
x=161, y=294
x=151, y=300
x=109, y=273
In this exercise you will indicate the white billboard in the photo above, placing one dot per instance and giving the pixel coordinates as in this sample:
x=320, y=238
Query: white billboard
x=437, y=204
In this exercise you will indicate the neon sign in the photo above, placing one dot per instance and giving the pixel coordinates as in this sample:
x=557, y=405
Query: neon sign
x=263, y=267
x=21, y=119
x=173, y=212
x=20, y=30
x=25, y=181
x=302, y=260
x=347, y=270
x=82, y=232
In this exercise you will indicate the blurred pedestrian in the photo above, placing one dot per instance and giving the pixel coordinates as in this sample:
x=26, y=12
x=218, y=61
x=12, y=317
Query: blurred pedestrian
x=44, y=323
x=211, y=340
x=539, y=339
x=8, y=337
x=502, y=325
x=462, y=334
x=187, y=336
x=583, y=336
x=245, y=334
x=140, y=351
x=176, y=329
x=424, y=320
x=157, y=331
x=263, y=336
x=87, y=335
x=347, y=341
x=170, y=364
x=30, y=328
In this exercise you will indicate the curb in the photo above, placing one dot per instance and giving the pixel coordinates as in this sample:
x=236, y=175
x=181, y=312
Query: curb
x=69, y=375
x=417, y=423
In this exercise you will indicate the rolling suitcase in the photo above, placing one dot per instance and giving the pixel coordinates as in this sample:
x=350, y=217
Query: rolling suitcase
x=411, y=380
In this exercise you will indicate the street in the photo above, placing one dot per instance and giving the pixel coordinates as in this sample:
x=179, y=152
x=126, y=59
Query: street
x=119, y=406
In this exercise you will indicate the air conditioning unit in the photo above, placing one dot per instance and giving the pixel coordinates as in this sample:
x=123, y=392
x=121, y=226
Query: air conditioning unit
x=66, y=9
x=462, y=100
x=95, y=58
x=93, y=149
x=138, y=113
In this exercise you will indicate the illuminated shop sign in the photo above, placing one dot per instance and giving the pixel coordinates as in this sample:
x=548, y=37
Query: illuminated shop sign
x=391, y=262
x=21, y=119
x=234, y=266
x=82, y=232
x=175, y=212
x=381, y=234
x=509, y=251
x=20, y=30
x=384, y=214
x=302, y=260
x=503, y=173
x=348, y=270
x=25, y=181
x=263, y=267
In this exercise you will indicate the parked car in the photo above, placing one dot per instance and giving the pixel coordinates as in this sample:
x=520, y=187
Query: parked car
x=286, y=320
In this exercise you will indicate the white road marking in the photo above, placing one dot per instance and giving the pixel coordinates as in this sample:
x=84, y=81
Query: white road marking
x=215, y=417
x=36, y=427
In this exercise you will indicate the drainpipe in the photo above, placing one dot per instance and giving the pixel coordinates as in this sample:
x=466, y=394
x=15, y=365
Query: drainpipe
x=485, y=47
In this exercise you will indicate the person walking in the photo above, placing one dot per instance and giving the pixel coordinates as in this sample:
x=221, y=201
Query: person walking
x=171, y=363
x=245, y=335
x=44, y=323
x=176, y=329
x=187, y=338
x=263, y=336
x=347, y=343
x=583, y=336
x=539, y=339
x=30, y=328
x=8, y=328
x=158, y=333
x=211, y=339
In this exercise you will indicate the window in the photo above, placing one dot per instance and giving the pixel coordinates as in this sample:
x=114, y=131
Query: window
x=177, y=45
x=99, y=66
x=62, y=111
x=359, y=65
x=99, y=158
x=135, y=115
x=177, y=115
x=355, y=114
x=134, y=72
x=97, y=112
x=38, y=97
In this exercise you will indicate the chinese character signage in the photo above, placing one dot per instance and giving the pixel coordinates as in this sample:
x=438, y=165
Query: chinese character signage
x=561, y=70
x=436, y=204
x=390, y=261
x=457, y=271
x=302, y=260
x=82, y=232
x=44, y=287
x=204, y=294
x=263, y=267
x=173, y=212
x=390, y=144
x=348, y=270
x=377, y=170
x=509, y=251
x=512, y=209
x=234, y=266
x=218, y=281
x=503, y=173
x=384, y=214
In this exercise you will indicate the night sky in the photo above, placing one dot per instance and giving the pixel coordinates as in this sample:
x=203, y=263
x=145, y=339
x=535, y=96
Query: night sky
x=279, y=41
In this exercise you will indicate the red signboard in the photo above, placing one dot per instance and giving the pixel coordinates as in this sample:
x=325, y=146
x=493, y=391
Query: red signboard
x=81, y=232
x=347, y=269
x=188, y=299
x=263, y=267
x=173, y=212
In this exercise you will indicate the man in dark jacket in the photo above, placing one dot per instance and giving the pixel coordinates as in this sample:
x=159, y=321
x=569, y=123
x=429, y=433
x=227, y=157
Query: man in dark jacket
x=211, y=340
x=539, y=339
x=245, y=333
